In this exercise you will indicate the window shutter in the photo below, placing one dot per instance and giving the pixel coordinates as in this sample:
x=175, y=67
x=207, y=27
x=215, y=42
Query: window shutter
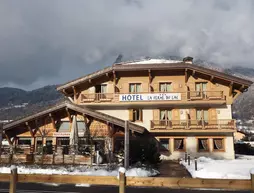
x=213, y=114
x=125, y=88
x=130, y=114
x=175, y=86
x=156, y=114
x=141, y=114
x=193, y=114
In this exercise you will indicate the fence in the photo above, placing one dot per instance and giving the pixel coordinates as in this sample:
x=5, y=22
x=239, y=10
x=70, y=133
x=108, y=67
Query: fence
x=124, y=181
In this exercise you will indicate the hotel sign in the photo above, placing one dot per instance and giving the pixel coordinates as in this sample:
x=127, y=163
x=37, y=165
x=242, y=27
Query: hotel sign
x=66, y=134
x=150, y=97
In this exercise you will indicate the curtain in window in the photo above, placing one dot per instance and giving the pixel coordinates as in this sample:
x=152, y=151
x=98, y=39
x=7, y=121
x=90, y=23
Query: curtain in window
x=162, y=87
x=199, y=114
x=169, y=115
x=103, y=88
x=206, y=115
x=132, y=87
x=162, y=115
x=198, y=87
x=138, y=87
x=168, y=88
x=204, y=143
x=204, y=85
x=178, y=144
x=218, y=143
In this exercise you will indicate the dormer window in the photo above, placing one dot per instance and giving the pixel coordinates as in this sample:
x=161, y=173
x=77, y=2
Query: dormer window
x=165, y=87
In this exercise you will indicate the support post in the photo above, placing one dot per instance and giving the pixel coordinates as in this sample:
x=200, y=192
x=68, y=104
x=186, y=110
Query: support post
x=126, y=144
x=252, y=181
x=13, y=179
x=188, y=159
x=1, y=138
x=196, y=164
x=185, y=157
x=122, y=180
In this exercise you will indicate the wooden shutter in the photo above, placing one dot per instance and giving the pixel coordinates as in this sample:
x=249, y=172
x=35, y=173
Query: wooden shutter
x=156, y=114
x=141, y=114
x=176, y=114
x=213, y=114
x=144, y=87
x=175, y=86
x=192, y=86
x=130, y=114
x=125, y=88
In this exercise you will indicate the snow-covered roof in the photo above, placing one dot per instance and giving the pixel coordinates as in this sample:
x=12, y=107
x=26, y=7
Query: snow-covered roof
x=152, y=61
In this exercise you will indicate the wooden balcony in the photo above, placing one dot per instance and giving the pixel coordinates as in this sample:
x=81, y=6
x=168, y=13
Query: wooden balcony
x=167, y=125
x=172, y=97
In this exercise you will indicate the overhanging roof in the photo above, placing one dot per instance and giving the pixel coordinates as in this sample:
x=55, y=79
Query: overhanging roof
x=78, y=109
x=156, y=66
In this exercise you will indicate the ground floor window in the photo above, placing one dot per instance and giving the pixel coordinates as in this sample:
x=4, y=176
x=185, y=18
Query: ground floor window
x=179, y=144
x=218, y=144
x=164, y=144
x=203, y=145
x=24, y=141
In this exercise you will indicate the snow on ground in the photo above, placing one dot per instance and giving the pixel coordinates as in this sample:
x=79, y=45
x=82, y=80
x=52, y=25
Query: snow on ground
x=154, y=61
x=223, y=169
x=80, y=170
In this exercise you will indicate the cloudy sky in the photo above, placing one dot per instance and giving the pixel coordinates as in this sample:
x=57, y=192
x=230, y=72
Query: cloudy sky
x=51, y=42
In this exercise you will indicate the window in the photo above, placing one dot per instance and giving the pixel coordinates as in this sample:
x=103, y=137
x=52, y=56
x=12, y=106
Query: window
x=101, y=88
x=24, y=141
x=202, y=114
x=165, y=115
x=203, y=145
x=201, y=86
x=137, y=114
x=179, y=144
x=165, y=87
x=134, y=87
x=164, y=144
x=218, y=144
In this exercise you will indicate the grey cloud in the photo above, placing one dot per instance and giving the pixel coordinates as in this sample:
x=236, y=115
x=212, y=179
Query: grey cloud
x=48, y=42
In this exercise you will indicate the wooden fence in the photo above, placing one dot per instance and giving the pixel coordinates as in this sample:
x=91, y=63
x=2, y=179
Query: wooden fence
x=122, y=182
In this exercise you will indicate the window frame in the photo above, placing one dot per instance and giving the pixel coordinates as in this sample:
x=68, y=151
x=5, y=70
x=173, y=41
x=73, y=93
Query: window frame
x=135, y=87
x=165, y=83
x=208, y=144
x=184, y=144
x=165, y=139
x=140, y=111
x=223, y=144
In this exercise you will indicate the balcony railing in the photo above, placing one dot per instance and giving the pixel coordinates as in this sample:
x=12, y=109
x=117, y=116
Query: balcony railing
x=193, y=124
x=183, y=96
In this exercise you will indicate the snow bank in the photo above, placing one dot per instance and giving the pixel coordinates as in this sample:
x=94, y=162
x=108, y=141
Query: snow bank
x=80, y=170
x=154, y=61
x=239, y=168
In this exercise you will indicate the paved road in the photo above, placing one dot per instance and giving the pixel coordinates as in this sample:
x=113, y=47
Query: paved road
x=42, y=188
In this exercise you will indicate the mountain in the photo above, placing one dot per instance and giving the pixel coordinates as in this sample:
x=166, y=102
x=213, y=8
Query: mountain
x=16, y=102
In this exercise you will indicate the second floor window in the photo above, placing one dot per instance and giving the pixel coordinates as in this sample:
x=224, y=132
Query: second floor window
x=165, y=115
x=201, y=86
x=165, y=87
x=135, y=115
x=134, y=87
x=202, y=114
x=101, y=88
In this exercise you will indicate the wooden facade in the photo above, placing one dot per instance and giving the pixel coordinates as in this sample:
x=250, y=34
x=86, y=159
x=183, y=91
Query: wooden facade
x=169, y=100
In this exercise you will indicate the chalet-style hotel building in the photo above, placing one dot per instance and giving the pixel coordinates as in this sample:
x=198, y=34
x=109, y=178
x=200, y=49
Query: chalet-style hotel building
x=186, y=107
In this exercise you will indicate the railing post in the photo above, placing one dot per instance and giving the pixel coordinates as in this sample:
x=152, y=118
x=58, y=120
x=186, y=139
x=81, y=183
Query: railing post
x=185, y=157
x=196, y=164
x=13, y=179
x=188, y=159
x=122, y=180
x=252, y=180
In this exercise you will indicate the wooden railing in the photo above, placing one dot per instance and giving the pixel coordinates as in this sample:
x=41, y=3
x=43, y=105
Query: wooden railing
x=194, y=124
x=185, y=96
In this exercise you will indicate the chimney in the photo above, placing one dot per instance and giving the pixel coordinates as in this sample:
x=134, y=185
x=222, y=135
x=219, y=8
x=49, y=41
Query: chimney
x=188, y=59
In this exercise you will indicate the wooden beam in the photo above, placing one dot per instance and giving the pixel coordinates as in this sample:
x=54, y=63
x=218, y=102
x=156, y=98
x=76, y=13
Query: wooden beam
x=37, y=128
x=186, y=75
x=90, y=81
x=52, y=121
x=114, y=81
x=74, y=93
x=64, y=92
x=68, y=114
x=30, y=129
x=150, y=80
x=126, y=144
x=8, y=139
x=231, y=88
x=193, y=72
x=211, y=79
x=242, y=88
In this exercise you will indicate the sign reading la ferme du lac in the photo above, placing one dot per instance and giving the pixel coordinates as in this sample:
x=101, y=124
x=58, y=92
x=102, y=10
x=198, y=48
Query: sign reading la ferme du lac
x=150, y=97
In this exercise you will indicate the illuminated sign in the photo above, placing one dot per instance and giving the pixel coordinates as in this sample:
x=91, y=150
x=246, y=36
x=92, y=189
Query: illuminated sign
x=150, y=97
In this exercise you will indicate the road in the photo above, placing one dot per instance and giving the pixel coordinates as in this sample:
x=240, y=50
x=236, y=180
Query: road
x=46, y=188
